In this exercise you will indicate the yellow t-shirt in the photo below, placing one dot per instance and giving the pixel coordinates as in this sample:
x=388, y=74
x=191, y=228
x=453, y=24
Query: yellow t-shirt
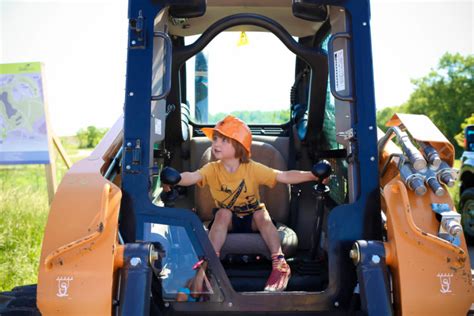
x=225, y=185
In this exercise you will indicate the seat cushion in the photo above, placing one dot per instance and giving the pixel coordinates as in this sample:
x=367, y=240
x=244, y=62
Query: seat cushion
x=253, y=244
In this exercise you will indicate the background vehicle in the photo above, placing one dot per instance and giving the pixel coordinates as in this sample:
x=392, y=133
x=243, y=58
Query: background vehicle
x=466, y=190
x=115, y=244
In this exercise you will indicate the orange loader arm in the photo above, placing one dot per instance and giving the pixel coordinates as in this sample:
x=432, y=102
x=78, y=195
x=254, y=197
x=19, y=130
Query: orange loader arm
x=431, y=276
x=81, y=253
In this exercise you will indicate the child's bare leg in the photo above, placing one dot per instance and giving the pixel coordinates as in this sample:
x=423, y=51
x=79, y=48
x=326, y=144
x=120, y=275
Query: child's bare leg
x=281, y=272
x=198, y=281
x=222, y=223
x=262, y=222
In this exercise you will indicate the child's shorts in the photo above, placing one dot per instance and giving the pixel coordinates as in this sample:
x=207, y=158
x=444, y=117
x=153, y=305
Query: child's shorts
x=242, y=225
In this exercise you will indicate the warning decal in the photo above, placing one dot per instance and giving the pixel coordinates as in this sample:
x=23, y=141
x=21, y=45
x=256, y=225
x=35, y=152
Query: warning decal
x=339, y=76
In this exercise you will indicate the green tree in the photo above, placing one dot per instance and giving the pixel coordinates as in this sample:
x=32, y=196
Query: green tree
x=90, y=137
x=460, y=136
x=446, y=94
x=385, y=114
x=255, y=117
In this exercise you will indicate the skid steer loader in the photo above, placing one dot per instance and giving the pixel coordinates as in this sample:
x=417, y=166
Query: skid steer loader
x=380, y=236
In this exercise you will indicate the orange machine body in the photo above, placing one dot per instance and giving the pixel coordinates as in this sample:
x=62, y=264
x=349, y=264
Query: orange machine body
x=431, y=276
x=80, y=253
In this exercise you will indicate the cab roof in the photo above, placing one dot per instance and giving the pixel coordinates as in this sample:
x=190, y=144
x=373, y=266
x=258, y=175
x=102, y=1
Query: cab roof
x=278, y=10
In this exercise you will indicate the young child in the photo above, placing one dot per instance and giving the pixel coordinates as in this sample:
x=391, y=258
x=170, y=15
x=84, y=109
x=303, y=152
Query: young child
x=234, y=181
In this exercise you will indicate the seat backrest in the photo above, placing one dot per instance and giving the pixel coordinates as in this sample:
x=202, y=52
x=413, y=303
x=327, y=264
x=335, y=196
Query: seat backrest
x=276, y=199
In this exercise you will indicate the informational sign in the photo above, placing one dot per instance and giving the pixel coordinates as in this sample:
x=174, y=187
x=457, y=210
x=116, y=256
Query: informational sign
x=23, y=122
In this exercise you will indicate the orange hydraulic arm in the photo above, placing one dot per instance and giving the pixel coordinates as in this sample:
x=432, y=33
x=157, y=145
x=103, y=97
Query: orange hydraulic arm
x=431, y=275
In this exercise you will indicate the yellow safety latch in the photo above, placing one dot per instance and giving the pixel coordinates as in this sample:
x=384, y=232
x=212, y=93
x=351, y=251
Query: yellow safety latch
x=243, y=40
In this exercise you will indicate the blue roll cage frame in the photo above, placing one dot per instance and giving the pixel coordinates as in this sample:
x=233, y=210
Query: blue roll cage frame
x=347, y=223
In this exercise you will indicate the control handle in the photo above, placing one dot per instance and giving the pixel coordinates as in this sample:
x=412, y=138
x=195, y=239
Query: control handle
x=170, y=176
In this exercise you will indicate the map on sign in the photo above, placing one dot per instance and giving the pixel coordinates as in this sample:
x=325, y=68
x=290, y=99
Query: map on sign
x=23, y=130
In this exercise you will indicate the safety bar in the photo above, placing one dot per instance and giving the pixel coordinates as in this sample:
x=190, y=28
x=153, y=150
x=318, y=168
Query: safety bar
x=168, y=61
x=184, y=53
x=336, y=94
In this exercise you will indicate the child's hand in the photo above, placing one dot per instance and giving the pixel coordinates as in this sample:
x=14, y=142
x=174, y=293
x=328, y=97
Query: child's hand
x=326, y=181
x=169, y=177
x=166, y=187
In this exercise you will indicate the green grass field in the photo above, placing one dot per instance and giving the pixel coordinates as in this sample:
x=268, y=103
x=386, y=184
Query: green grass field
x=23, y=215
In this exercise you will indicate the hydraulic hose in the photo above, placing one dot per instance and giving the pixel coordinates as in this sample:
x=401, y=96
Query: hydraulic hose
x=414, y=156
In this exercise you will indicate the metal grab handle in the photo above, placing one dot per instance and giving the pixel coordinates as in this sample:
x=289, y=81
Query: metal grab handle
x=168, y=61
x=336, y=94
x=48, y=262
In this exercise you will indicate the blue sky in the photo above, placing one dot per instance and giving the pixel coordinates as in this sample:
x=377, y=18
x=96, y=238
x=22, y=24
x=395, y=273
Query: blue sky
x=83, y=47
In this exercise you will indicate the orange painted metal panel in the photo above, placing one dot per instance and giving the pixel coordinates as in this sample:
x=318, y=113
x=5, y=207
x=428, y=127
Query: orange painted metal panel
x=430, y=275
x=80, y=252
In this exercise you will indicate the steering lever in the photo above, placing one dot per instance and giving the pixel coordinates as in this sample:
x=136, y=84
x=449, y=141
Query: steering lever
x=322, y=170
x=171, y=177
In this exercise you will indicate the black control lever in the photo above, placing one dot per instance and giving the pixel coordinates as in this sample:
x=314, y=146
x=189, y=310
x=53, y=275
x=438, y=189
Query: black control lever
x=322, y=170
x=171, y=177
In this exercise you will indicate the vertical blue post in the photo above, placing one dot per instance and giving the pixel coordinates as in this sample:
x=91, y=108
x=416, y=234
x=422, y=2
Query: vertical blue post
x=137, y=115
x=201, y=92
